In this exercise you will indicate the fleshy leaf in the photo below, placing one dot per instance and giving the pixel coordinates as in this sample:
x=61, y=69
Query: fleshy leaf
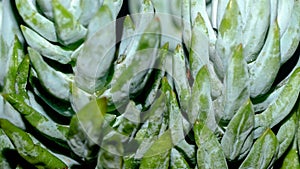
x=69, y=30
x=286, y=134
x=54, y=81
x=238, y=137
x=266, y=65
x=280, y=107
x=209, y=153
x=44, y=47
x=263, y=152
x=31, y=152
x=236, y=84
x=85, y=133
x=35, y=20
x=255, y=28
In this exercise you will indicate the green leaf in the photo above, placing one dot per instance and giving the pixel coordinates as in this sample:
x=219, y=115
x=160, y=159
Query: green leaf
x=69, y=30
x=22, y=77
x=31, y=152
x=100, y=20
x=290, y=38
x=128, y=77
x=266, y=65
x=79, y=98
x=229, y=32
x=158, y=75
x=88, y=9
x=128, y=122
x=130, y=162
x=147, y=15
x=263, y=152
x=85, y=129
x=16, y=55
x=62, y=107
x=158, y=155
x=97, y=53
x=127, y=37
x=112, y=150
x=45, y=126
x=181, y=80
x=286, y=134
x=262, y=105
x=175, y=118
x=154, y=115
x=198, y=8
x=45, y=7
x=188, y=151
x=291, y=160
x=209, y=153
x=199, y=52
x=114, y=6
x=44, y=47
x=177, y=160
x=238, y=136
x=11, y=27
x=284, y=14
x=186, y=23
x=5, y=144
x=280, y=107
x=35, y=20
x=8, y=112
x=53, y=81
x=201, y=102
x=255, y=28
x=236, y=85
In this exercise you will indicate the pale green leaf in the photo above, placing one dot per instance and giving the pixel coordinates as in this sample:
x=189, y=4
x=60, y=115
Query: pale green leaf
x=238, y=137
x=280, y=107
x=263, y=152
x=44, y=47
x=267, y=64
x=35, y=20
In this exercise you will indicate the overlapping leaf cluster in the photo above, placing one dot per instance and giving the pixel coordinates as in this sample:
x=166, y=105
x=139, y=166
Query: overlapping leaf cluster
x=195, y=84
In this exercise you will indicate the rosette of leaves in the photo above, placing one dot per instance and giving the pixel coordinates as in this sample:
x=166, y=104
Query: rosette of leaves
x=194, y=84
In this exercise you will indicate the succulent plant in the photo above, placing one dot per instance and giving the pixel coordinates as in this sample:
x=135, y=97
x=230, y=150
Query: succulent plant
x=149, y=84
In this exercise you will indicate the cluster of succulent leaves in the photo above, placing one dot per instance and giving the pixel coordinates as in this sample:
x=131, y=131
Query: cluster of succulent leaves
x=191, y=84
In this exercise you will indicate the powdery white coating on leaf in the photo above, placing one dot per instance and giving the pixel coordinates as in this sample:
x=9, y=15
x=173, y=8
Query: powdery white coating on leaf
x=177, y=160
x=186, y=24
x=284, y=15
x=240, y=129
x=9, y=113
x=263, y=152
x=181, y=80
x=88, y=10
x=267, y=64
x=69, y=30
x=23, y=147
x=44, y=47
x=79, y=98
x=97, y=54
x=199, y=52
x=51, y=129
x=209, y=153
x=236, y=83
x=256, y=24
x=36, y=21
x=286, y=134
x=229, y=36
x=280, y=107
x=290, y=38
x=200, y=101
x=266, y=103
x=54, y=81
